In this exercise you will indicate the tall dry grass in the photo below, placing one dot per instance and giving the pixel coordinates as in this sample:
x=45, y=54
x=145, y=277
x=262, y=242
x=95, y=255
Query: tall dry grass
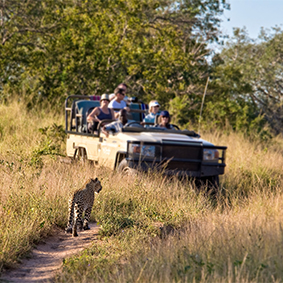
x=152, y=229
x=237, y=240
x=19, y=128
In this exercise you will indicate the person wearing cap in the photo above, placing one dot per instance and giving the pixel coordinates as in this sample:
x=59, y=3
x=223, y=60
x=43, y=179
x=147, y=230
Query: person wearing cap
x=153, y=110
x=100, y=113
x=118, y=102
x=165, y=120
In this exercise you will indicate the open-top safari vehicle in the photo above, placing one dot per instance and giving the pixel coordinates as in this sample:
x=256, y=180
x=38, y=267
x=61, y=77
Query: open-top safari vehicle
x=140, y=147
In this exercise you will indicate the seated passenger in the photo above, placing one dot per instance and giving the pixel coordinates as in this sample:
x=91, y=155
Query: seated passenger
x=118, y=102
x=153, y=110
x=116, y=126
x=100, y=113
x=165, y=120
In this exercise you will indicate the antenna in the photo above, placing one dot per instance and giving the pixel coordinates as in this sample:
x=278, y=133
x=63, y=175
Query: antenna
x=202, y=104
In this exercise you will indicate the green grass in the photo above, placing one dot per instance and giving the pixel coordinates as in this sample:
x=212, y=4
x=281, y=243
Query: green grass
x=152, y=229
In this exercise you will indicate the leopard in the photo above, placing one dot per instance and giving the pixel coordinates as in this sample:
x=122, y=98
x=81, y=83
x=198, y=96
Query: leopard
x=82, y=201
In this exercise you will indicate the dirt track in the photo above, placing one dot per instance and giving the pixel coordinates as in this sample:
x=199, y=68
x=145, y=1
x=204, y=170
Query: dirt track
x=47, y=258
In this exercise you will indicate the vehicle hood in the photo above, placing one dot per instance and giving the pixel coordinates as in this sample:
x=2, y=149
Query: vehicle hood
x=158, y=137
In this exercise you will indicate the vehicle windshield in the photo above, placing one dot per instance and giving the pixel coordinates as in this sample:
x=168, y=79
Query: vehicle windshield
x=136, y=127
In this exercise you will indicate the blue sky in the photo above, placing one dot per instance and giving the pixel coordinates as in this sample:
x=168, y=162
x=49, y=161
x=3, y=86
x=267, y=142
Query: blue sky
x=253, y=14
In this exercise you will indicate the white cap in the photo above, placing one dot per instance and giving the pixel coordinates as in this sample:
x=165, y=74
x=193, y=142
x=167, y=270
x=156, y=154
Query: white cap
x=153, y=103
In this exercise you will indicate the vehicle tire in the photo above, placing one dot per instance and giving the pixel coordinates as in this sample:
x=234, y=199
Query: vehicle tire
x=125, y=170
x=208, y=185
x=214, y=181
x=212, y=184
x=81, y=155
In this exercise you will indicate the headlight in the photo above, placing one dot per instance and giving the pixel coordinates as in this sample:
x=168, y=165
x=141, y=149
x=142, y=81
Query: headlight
x=210, y=155
x=143, y=150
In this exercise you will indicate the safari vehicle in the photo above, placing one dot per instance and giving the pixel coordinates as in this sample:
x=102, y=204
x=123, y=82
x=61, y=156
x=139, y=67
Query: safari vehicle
x=140, y=147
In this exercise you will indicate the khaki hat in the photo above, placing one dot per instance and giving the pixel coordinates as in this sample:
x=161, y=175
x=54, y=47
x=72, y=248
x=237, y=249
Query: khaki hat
x=104, y=97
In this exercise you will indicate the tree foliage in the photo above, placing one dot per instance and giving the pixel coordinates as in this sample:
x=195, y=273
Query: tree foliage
x=54, y=48
x=246, y=82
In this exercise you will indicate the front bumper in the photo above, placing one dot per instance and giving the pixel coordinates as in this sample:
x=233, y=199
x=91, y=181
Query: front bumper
x=183, y=158
x=193, y=170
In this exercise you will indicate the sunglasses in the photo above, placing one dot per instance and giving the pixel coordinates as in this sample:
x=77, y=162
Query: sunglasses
x=164, y=117
x=121, y=91
x=105, y=100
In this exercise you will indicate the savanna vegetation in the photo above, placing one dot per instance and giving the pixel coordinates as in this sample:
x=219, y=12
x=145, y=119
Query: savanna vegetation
x=153, y=229
x=161, y=48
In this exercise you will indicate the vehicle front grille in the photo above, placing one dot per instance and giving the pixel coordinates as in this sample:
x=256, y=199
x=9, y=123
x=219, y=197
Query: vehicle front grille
x=184, y=152
x=183, y=157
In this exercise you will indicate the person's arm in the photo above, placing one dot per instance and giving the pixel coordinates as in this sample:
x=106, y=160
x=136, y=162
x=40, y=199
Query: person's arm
x=125, y=106
x=113, y=114
x=92, y=117
x=116, y=115
x=112, y=127
x=106, y=133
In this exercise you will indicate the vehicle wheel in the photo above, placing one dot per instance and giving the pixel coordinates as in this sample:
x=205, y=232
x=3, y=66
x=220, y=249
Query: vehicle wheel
x=81, y=155
x=125, y=170
x=212, y=184
x=214, y=181
x=208, y=185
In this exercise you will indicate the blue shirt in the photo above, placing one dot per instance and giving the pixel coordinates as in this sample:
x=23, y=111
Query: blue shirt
x=149, y=118
x=103, y=116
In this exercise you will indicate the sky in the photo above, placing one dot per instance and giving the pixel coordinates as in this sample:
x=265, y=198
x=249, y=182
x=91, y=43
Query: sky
x=253, y=14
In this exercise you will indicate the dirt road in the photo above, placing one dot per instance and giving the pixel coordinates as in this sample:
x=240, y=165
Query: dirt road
x=47, y=258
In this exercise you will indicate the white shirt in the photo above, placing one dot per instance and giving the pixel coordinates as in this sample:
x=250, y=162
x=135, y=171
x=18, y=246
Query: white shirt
x=114, y=104
x=114, y=127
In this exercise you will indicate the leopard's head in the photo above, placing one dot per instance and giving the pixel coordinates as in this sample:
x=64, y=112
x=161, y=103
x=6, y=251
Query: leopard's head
x=97, y=185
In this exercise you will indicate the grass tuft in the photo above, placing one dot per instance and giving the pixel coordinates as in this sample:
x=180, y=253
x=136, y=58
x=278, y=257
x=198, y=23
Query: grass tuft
x=153, y=229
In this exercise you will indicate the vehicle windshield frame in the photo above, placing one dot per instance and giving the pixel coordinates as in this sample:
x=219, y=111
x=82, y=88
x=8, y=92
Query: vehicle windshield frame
x=158, y=130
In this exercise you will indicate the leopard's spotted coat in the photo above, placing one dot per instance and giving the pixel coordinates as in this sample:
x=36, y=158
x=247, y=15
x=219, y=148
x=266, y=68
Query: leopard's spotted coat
x=82, y=201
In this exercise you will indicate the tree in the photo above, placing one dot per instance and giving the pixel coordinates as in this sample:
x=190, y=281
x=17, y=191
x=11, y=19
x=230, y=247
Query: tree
x=25, y=26
x=247, y=81
x=159, y=47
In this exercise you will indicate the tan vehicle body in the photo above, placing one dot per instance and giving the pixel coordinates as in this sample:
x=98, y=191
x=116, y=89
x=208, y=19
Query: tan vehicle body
x=137, y=147
x=104, y=151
